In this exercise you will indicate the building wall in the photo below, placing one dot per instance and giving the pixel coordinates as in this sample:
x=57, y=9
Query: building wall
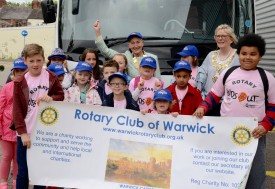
x=12, y=43
x=265, y=26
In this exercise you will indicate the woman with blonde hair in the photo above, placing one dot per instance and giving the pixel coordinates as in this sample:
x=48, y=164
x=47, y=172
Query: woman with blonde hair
x=217, y=61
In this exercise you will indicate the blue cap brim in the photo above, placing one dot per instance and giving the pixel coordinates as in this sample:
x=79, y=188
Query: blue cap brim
x=62, y=57
x=117, y=75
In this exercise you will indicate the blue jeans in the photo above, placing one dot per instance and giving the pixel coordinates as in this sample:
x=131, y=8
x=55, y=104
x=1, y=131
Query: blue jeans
x=256, y=179
x=22, y=180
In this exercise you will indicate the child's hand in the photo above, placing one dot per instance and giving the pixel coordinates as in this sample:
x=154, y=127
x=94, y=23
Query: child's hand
x=44, y=98
x=157, y=85
x=140, y=84
x=26, y=141
x=259, y=131
x=143, y=112
x=174, y=114
x=65, y=64
x=199, y=113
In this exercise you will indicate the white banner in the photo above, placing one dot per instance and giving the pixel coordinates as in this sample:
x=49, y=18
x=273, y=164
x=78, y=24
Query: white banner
x=80, y=146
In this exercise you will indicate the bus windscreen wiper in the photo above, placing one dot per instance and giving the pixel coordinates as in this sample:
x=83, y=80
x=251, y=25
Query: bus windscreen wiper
x=121, y=40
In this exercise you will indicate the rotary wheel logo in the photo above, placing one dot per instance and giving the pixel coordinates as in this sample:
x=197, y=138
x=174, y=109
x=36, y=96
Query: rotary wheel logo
x=48, y=116
x=241, y=135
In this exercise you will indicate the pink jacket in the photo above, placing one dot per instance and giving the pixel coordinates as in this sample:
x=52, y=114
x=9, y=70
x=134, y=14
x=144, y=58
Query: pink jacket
x=72, y=94
x=6, y=107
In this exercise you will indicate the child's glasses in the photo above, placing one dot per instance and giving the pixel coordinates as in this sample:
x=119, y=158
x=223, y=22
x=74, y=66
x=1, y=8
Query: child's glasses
x=117, y=84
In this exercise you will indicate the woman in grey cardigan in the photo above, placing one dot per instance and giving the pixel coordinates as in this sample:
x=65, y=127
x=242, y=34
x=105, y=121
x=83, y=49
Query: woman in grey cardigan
x=134, y=54
x=218, y=60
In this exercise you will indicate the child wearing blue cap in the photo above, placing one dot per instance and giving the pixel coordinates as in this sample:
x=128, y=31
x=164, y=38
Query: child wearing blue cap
x=58, y=56
x=162, y=103
x=190, y=53
x=120, y=97
x=142, y=87
x=58, y=70
x=83, y=90
x=186, y=98
x=8, y=136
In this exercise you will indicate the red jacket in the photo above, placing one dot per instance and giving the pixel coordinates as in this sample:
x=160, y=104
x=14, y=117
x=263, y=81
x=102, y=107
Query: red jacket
x=190, y=102
x=21, y=99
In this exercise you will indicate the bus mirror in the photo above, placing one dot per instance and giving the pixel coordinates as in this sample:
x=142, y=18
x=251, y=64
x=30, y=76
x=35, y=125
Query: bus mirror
x=75, y=7
x=48, y=11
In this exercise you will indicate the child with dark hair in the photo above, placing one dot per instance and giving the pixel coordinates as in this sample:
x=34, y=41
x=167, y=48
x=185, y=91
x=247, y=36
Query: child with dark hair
x=91, y=56
x=109, y=67
x=247, y=91
x=185, y=97
x=58, y=56
x=120, y=97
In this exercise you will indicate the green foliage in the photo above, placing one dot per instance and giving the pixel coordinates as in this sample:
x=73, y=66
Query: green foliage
x=12, y=4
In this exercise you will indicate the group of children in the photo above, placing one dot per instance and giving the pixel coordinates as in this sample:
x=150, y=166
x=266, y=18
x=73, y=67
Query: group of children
x=110, y=86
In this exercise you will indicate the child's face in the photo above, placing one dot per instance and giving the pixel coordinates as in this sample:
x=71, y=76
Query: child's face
x=182, y=77
x=82, y=77
x=61, y=78
x=189, y=59
x=18, y=72
x=91, y=58
x=35, y=64
x=121, y=62
x=118, y=85
x=107, y=71
x=146, y=71
x=249, y=57
x=162, y=106
x=56, y=59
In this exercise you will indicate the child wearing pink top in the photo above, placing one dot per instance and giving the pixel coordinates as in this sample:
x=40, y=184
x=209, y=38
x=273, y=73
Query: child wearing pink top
x=162, y=103
x=245, y=94
x=190, y=54
x=36, y=85
x=8, y=136
x=83, y=90
x=143, y=87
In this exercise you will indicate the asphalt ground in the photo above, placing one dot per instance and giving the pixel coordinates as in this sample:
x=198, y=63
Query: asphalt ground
x=270, y=161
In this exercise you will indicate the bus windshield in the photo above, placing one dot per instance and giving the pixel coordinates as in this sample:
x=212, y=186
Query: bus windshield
x=173, y=21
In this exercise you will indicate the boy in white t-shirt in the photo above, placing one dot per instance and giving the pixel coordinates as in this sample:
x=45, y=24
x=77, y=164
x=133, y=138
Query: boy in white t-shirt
x=143, y=87
x=243, y=94
x=36, y=85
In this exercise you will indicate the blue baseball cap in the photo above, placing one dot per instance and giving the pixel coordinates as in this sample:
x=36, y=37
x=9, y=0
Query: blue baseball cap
x=134, y=34
x=148, y=61
x=119, y=75
x=57, y=53
x=19, y=64
x=189, y=50
x=182, y=64
x=163, y=94
x=56, y=68
x=83, y=66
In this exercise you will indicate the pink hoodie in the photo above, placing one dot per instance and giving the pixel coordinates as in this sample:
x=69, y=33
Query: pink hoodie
x=6, y=106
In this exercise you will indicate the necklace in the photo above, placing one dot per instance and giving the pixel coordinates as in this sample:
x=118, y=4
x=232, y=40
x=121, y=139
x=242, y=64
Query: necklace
x=226, y=55
x=219, y=66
